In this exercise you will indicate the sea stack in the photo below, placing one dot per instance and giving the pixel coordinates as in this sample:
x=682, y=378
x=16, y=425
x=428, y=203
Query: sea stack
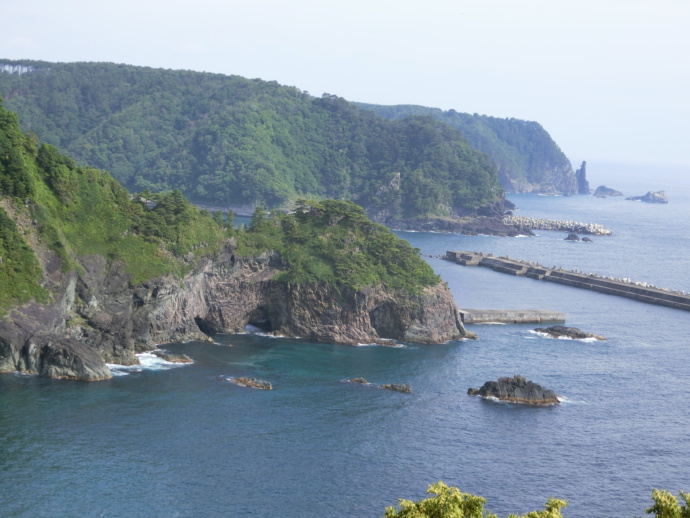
x=581, y=176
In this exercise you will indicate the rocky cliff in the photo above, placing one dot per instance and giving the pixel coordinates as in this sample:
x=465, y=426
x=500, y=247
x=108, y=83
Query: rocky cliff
x=98, y=317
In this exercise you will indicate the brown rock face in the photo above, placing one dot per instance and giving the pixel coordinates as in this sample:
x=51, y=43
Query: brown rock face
x=98, y=317
x=516, y=390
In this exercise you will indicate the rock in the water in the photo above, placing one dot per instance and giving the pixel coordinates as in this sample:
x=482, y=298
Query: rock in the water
x=651, y=197
x=516, y=390
x=173, y=358
x=581, y=176
x=602, y=192
x=358, y=380
x=567, y=332
x=586, y=239
x=572, y=237
x=252, y=383
x=398, y=387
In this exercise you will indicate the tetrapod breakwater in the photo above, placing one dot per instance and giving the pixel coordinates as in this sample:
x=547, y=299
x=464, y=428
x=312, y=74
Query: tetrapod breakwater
x=644, y=292
x=559, y=226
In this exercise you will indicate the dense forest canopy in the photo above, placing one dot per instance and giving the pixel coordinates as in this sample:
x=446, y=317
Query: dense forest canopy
x=226, y=140
x=48, y=201
x=523, y=150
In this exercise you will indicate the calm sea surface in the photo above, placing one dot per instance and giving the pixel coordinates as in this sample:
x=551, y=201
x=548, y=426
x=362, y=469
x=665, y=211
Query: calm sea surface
x=165, y=441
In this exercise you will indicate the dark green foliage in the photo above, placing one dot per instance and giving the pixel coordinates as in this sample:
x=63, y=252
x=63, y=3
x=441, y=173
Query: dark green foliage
x=334, y=242
x=76, y=211
x=522, y=149
x=450, y=502
x=20, y=272
x=227, y=140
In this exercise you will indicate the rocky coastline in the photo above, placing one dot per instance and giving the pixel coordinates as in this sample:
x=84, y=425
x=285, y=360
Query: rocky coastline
x=98, y=317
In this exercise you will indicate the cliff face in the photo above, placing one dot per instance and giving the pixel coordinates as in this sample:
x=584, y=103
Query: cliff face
x=554, y=179
x=98, y=317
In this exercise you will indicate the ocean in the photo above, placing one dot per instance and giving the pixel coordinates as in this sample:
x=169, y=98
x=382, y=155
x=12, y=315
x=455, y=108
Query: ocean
x=164, y=440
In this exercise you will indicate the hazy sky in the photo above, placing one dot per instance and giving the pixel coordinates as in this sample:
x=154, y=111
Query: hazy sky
x=608, y=79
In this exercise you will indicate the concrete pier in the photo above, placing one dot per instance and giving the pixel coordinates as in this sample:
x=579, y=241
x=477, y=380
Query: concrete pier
x=510, y=316
x=637, y=291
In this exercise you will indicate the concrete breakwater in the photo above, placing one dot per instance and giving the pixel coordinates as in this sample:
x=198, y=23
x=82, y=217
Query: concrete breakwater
x=510, y=316
x=641, y=291
x=559, y=226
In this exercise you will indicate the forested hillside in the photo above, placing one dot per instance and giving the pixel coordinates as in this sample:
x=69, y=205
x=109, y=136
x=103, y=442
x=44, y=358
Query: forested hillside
x=226, y=140
x=53, y=207
x=527, y=157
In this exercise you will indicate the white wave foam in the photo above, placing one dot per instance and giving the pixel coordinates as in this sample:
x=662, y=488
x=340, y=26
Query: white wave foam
x=391, y=346
x=565, y=400
x=489, y=323
x=253, y=330
x=147, y=361
x=547, y=335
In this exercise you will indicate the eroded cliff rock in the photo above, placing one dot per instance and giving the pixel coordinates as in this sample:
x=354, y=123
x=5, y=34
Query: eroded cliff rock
x=97, y=317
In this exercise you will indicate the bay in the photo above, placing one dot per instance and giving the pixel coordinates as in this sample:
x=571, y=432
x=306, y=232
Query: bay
x=183, y=441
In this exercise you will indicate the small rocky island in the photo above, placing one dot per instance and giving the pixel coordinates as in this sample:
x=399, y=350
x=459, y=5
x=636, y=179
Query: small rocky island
x=516, y=390
x=651, y=197
x=602, y=192
x=567, y=332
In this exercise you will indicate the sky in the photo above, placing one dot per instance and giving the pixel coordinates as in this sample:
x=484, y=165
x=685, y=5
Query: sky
x=608, y=79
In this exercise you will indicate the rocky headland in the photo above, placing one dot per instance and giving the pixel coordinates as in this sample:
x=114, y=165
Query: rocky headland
x=99, y=317
x=516, y=390
x=651, y=197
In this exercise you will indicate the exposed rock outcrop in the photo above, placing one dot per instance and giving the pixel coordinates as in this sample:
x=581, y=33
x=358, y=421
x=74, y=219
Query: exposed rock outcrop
x=651, y=197
x=602, y=192
x=251, y=383
x=397, y=387
x=173, y=358
x=582, y=183
x=516, y=390
x=567, y=332
x=98, y=317
x=572, y=237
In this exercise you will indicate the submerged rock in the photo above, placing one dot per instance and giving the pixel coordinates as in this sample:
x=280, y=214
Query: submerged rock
x=516, y=390
x=252, y=383
x=398, y=387
x=651, y=197
x=173, y=358
x=568, y=332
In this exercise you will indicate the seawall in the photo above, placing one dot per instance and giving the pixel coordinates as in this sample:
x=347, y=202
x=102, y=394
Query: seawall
x=637, y=291
x=510, y=316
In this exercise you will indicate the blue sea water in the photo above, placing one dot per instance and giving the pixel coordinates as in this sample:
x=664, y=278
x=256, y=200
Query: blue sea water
x=166, y=441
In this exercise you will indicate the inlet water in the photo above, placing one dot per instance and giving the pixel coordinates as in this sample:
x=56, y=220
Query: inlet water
x=166, y=441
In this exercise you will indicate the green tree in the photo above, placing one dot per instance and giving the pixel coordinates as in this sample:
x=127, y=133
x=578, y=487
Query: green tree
x=449, y=502
x=666, y=505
